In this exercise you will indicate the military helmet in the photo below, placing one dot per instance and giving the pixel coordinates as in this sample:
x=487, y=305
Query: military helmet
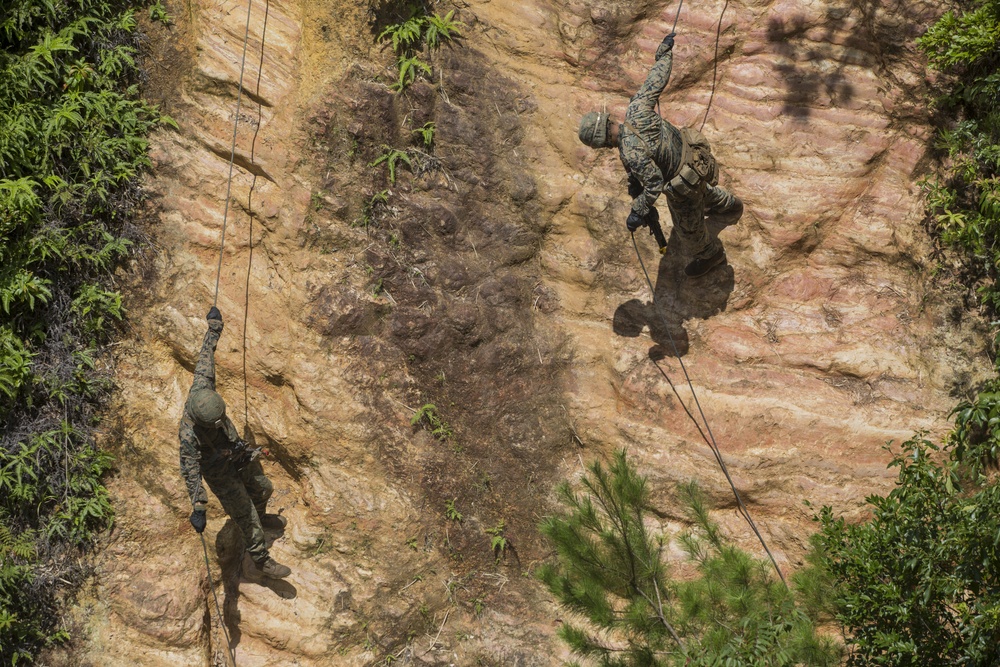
x=207, y=408
x=594, y=129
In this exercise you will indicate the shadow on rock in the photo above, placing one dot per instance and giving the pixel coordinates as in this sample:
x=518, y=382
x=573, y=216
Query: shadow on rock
x=819, y=52
x=237, y=568
x=676, y=298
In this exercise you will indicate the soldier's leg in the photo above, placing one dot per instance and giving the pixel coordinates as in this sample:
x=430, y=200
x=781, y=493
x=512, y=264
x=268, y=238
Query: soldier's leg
x=258, y=486
x=232, y=493
x=688, y=214
x=720, y=200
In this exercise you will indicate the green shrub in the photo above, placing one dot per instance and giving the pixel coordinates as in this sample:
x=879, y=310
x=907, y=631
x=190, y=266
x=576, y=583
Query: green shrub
x=72, y=149
x=964, y=200
x=919, y=583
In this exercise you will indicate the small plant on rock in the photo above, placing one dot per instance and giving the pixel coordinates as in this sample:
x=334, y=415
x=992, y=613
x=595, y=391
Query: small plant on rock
x=392, y=157
x=410, y=39
x=428, y=416
x=498, y=541
x=451, y=512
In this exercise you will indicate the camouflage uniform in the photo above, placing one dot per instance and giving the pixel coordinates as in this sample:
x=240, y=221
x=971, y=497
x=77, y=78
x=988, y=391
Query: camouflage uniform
x=651, y=149
x=205, y=453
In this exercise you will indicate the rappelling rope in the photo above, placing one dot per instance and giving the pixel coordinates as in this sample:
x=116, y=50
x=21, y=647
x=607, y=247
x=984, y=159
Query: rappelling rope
x=218, y=609
x=232, y=153
x=715, y=61
x=253, y=184
x=677, y=16
x=709, y=438
x=215, y=299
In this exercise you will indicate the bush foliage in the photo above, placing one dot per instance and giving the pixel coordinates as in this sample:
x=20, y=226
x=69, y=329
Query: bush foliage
x=919, y=583
x=72, y=148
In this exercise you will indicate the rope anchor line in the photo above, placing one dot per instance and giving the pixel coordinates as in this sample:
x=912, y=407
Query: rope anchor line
x=705, y=433
x=218, y=273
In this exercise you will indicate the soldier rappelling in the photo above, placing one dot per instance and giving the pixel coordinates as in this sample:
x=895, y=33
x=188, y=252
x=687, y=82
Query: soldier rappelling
x=659, y=157
x=211, y=448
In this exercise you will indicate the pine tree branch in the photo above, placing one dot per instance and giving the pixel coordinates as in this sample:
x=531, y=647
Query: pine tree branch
x=663, y=619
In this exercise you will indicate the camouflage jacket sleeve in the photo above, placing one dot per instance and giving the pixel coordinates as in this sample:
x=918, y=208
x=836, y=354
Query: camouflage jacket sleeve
x=204, y=378
x=639, y=152
x=204, y=370
x=191, y=465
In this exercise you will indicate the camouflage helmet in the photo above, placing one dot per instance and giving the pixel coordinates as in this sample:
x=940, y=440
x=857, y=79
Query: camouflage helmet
x=594, y=129
x=207, y=408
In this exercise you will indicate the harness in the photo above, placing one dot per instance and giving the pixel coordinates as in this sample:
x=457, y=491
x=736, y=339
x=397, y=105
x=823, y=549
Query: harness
x=697, y=164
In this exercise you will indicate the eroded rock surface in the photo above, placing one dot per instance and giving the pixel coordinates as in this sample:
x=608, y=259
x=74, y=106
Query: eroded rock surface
x=495, y=280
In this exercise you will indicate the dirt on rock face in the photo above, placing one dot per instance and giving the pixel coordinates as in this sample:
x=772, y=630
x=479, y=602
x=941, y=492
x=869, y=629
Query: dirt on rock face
x=493, y=279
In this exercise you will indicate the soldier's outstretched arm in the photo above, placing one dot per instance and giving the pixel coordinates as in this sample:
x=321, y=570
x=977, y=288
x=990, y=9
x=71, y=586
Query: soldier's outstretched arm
x=191, y=468
x=204, y=370
x=657, y=79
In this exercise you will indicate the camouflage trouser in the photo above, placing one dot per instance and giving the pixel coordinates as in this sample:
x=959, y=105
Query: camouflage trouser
x=243, y=494
x=688, y=215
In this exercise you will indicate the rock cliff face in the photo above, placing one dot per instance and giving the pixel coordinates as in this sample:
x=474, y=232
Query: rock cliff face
x=495, y=280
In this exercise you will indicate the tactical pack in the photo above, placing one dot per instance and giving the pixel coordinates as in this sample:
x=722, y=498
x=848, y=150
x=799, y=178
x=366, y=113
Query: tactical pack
x=698, y=165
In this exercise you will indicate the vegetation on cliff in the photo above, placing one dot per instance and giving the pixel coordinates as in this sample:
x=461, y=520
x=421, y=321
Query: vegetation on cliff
x=611, y=570
x=919, y=583
x=72, y=149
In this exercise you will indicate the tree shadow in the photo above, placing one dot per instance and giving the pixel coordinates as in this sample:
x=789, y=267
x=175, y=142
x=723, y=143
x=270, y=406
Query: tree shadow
x=879, y=32
x=676, y=298
x=236, y=570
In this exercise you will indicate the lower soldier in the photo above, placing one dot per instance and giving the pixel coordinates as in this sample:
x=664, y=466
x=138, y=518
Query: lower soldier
x=211, y=448
x=659, y=157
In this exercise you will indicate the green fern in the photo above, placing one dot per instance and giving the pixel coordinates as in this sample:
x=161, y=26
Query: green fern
x=426, y=133
x=410, y=67
x=392, y=157
x=409, y=39
x=439, y=30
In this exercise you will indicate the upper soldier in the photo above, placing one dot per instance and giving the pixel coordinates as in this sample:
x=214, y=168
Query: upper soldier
x=212, y=449
x=659, y=157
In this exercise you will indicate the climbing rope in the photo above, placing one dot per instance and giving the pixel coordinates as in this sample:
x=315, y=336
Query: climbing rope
x=218, y=276
x=253, y=184
x=677, y=16
x=709, y=438
x=715, y=62
x=218, y=609
x=232, y=153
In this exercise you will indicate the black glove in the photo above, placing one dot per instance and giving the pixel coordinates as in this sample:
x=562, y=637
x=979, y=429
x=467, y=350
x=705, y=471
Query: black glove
x=634, y=221
x=198, y=520
x=666, y=46
x=214, y=318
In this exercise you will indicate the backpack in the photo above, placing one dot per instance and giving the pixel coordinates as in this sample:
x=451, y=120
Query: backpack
x=698, y=165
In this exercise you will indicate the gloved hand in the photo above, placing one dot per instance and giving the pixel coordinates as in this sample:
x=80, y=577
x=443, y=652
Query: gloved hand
x=634, y=221
x=198, y=520
x=666, y=46
x=214, y=318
